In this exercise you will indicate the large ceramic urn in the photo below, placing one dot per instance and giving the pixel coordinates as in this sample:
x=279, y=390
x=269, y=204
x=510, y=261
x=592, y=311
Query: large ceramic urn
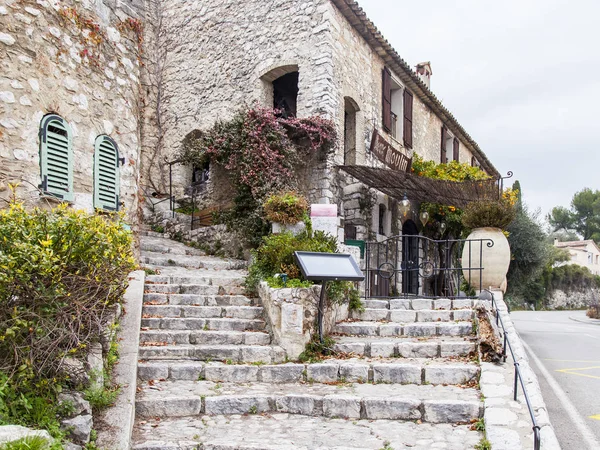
x=486, y=248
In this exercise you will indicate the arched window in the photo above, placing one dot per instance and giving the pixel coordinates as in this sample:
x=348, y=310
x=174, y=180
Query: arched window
x=106, y=174
x=56, y=157
x=350, y=110
x=280, y=86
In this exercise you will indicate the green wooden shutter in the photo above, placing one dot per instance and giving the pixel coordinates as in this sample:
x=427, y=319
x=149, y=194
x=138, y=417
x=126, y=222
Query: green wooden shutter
x=106, y=174
x=56, y=157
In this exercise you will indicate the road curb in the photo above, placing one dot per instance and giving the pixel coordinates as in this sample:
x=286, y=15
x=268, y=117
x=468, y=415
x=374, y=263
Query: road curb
x=116, y=435
x=588, y=321
x=505, y=436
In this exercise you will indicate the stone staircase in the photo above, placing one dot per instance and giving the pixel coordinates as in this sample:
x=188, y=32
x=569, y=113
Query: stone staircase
x=209, y=377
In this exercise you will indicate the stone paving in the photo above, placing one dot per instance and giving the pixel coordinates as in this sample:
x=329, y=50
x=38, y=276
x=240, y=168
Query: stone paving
x=296, y=432
x=210, y=377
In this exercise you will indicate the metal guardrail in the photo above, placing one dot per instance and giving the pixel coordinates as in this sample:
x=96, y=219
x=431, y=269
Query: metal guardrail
x=405, y=265
x=518, y=376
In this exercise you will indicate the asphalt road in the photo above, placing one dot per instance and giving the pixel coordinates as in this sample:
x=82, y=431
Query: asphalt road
x=566, y=359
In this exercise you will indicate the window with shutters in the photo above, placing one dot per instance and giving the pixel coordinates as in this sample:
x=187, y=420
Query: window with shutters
x=449, y=146
x=455, y=150
x=106, y=174
x=397, y=112
x=56, y=157
x=408, y=119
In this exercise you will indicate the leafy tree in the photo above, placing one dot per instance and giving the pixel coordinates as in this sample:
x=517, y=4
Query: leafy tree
x=583, y=217
x=530, y=255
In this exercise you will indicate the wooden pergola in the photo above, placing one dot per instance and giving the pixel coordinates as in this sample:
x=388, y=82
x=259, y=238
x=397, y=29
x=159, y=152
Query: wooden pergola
x=422, y=189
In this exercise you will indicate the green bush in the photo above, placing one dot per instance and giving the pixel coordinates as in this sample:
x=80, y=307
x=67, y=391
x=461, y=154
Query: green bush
x=572, y=277
x=30, y=404
x=61, y=273
x=276, y=255
x=287, y=208
x=488, y=213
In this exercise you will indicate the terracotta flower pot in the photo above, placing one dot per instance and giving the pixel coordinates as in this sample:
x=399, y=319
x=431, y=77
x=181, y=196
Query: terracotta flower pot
x=490, y=251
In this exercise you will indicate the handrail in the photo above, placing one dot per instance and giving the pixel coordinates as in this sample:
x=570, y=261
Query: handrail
x=518, y=376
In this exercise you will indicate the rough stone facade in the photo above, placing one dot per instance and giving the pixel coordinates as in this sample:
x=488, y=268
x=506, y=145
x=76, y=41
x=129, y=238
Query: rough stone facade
x=202, y=62
x=79, y=60
x=340, y=73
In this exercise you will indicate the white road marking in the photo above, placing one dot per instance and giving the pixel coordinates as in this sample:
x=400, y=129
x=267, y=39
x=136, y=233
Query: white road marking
x=593, y=337
x=584, y=431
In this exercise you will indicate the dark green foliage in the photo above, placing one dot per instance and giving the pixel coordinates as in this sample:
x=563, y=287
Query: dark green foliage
x=583, y=217
x=531, y=253
x=572, y=277
x=30, y=404
x=487, y=213
x=276, y=254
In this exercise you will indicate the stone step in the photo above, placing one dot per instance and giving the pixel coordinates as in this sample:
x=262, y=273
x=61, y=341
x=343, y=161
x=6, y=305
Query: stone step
x=234, y=312
x=198, y=289
x=205, y=337
x=400, y=347
x=409, y=315
x=280, y=431
x=417, y=329
x=167, y=246
x=199, y=300
x=215, y=280
x=435, y=404
x=392, y=371
x=196, y=262
x=153, y=234
x=236, y=353
x=194, y=323
x=419, y=303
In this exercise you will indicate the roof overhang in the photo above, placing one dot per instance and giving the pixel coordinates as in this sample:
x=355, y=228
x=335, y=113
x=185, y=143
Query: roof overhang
x=422, y=189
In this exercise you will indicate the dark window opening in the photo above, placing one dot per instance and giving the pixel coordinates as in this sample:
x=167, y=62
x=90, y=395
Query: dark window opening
x=349, y=133
x=381, y=218
x=285, y=94
x=349, y=231
x=201, y=174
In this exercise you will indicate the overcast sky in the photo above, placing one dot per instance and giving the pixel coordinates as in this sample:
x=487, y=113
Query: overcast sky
x=521, y=76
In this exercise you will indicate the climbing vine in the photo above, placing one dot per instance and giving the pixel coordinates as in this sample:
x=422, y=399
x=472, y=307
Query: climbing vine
x=261, y=152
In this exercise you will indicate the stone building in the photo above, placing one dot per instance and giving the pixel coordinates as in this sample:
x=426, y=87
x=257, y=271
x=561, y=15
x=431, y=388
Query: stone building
x=583, y=253
x=314, y=57
x=92, y=108
x=69, y=103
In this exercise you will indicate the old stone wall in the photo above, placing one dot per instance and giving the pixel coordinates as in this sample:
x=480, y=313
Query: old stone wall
x=77, y=59
x=222, y=57
x=575, y=299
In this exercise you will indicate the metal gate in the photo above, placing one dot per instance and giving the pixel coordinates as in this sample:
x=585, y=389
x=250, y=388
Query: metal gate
x=411, y=265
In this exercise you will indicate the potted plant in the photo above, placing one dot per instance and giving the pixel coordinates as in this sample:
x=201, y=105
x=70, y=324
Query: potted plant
x=286, y=211
x=489, y=248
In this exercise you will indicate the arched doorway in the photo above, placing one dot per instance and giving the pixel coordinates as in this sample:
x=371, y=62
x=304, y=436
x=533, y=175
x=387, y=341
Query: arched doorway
x=410, y=258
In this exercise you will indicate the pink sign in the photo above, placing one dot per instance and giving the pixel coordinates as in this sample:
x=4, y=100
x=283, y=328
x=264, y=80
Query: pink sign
x=318, y=210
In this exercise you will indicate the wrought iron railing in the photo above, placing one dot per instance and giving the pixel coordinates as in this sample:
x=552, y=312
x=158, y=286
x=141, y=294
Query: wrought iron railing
x=518, y=376
x=408, y=265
